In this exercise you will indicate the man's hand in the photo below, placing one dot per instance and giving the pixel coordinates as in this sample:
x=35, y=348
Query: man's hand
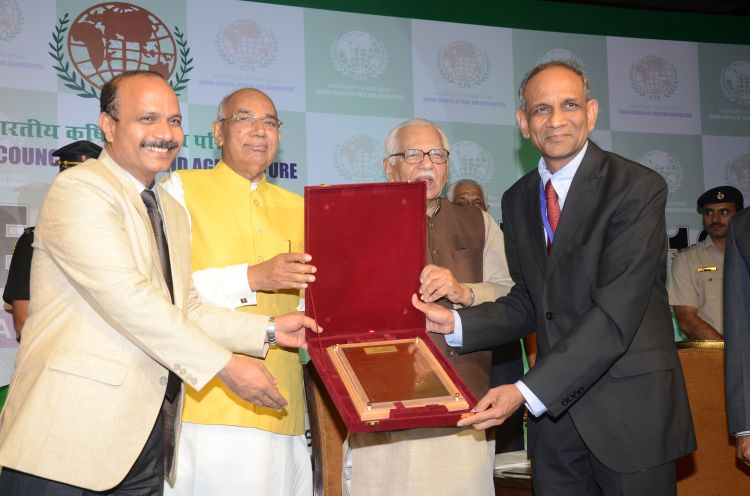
x=743, y=449
x=290, y=329
x=438, y=282
x=439, y=319
x=249, y=379
x=497, y=405
x=284, y=271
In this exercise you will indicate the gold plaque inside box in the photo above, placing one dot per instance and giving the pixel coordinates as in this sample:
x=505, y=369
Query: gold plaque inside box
x=379, y=374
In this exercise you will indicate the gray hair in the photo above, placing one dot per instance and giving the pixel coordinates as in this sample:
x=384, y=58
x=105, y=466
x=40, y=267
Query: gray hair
x=566, y=64
x=393, y=144
x=452, y=188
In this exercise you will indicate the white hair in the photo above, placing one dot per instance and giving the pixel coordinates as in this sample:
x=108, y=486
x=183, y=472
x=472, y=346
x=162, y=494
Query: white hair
x=393, y=144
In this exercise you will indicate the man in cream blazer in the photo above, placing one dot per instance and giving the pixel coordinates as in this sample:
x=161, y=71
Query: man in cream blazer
x=103, y=334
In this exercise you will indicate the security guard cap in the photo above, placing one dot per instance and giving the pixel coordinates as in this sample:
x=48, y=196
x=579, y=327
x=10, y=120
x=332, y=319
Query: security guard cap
x=721, y=194
x=76, y=153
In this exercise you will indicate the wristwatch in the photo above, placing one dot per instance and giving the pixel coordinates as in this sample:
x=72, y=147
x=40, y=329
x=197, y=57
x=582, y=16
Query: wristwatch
x=271, y=331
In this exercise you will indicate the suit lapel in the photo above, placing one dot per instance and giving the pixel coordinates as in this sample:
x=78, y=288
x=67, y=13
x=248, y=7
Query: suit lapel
x=581, y=195
x=134, y=197
x=171, y=225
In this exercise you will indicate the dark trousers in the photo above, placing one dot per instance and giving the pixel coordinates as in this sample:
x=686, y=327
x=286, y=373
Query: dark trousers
x=146, y=477
x=562, y=465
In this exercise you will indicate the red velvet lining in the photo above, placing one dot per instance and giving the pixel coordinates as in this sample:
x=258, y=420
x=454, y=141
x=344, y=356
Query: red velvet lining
x=368, y=243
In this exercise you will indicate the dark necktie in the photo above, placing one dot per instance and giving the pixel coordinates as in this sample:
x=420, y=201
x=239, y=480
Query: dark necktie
x=169, y=407
x=149, y=199
x=553, y=209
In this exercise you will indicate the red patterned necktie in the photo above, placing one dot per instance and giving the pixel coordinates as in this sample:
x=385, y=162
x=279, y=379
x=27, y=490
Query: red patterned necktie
x=553, y=209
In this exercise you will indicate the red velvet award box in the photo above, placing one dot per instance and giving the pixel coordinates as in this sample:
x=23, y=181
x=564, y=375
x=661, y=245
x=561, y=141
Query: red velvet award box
x=381, y=369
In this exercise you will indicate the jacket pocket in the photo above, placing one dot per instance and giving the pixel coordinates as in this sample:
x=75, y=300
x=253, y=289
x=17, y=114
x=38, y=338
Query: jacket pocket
x=639, y=362
x=82, y=364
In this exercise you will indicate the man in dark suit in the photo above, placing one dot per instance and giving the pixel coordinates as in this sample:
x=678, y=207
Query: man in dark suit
x=587, y=254
x=737, y=331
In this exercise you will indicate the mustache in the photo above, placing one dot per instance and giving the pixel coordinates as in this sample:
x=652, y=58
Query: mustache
x=716, y=224
x=164, y=144
x=423, y=175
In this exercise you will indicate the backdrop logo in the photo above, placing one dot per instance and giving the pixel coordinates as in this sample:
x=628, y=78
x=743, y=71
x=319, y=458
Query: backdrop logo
x=247, y=44
x=11, y=19
x=734, y=82
x=559, y=54
x=470, y=160
x=737, y=172
x=667, y=166
x=653, y=77
x=359, y=55
x=110, y=38
x=359, y=159
x=463, y=64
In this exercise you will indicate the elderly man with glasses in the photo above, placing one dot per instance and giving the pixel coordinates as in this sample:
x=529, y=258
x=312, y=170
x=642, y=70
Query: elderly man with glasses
x=465, y=266
x=246, y=240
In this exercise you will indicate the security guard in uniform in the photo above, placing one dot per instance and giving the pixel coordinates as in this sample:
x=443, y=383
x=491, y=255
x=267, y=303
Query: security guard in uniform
x=697, y=275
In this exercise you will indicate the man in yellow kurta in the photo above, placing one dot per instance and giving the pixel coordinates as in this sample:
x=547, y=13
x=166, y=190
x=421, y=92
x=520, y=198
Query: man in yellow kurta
x=246, y=239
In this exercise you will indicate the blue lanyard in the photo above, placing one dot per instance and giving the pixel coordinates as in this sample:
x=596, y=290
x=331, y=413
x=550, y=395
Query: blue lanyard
x=545, y=219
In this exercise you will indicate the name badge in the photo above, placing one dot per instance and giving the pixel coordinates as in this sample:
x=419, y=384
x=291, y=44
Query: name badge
x=708, y=269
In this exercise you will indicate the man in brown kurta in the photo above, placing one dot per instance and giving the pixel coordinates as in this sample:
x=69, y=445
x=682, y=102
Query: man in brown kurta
x=463, y=244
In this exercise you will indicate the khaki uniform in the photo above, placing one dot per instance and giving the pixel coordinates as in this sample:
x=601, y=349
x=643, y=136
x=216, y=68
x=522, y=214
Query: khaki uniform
x=697, y=279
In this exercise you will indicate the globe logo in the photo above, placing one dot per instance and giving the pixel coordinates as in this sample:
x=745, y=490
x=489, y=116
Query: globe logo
x=559, y=54
x=734, y=82
x=358, y=159
x=359, y=55
x=463, y=64
x=667, y=166
x=11, y=19
x=653, y=77
x=737, y=173
x=470, y=160
x=110, y=38
x=247, y=44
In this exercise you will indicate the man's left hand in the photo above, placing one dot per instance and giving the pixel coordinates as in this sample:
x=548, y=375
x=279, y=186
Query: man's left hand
x=438, y=282
x=290, y=329
x=495, y=407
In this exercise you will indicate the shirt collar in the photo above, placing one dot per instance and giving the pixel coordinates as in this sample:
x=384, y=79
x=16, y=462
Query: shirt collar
x=562, y=179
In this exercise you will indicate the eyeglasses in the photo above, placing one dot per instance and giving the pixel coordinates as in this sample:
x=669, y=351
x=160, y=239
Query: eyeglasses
x=246, y=119
x=415, y=155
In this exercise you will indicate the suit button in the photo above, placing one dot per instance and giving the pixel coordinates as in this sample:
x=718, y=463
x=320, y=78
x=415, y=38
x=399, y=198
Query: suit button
x=451, y=353
x=183, y=371
x=549, y=315
x=163, y=381
x=193, y=381
x=256, y=202
x=565, y=402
